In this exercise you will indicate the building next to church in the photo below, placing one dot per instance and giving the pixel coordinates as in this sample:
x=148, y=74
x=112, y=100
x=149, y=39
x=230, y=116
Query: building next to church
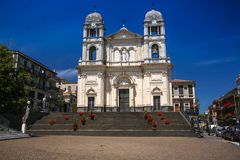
x=124, y=71
x=225, y=110
x=184, y=97
x=42, y=90
x=69, y=95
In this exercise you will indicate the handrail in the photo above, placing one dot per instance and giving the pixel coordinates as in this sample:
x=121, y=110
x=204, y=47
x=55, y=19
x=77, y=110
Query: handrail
x=186, y=117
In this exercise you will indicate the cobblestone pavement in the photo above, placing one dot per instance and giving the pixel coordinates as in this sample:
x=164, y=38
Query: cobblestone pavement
x=118, y=148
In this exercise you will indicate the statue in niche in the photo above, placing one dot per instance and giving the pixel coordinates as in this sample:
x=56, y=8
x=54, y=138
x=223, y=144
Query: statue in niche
x=124, y=55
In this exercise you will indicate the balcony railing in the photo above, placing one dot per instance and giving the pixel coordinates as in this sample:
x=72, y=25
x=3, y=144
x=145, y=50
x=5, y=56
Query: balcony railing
x=157, y=60
x=125, y=63
x=91, y=62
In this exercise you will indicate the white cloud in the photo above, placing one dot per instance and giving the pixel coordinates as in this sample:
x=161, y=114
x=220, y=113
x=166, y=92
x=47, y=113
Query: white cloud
x=217, y=61
x=69, y=74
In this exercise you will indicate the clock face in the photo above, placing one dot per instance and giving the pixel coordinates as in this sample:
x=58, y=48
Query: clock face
x=154, y=21
x=124, y=36
x=93, y=24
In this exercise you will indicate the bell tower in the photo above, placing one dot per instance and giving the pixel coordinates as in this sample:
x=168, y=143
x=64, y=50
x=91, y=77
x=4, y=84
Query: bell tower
x=154, y=36
x=93, y=39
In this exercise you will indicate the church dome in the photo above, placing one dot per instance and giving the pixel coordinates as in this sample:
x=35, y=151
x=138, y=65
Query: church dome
x=93, y=17
x=153, y=14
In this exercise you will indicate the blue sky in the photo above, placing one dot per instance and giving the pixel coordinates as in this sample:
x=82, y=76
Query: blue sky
x=203, y=36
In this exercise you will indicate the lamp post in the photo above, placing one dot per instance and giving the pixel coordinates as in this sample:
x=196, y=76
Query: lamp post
x=25, y=117
x=44, y=103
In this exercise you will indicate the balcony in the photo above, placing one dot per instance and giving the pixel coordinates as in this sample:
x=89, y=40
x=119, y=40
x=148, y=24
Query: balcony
x=125, y=63
x=157, y=60
x=97, y=62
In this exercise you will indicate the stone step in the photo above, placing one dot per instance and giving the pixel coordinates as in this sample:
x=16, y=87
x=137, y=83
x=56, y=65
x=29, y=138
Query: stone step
x=134, y=133
x=112, y=122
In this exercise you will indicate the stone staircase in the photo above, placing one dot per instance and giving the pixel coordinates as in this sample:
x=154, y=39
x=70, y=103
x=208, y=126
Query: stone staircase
x=112, y=124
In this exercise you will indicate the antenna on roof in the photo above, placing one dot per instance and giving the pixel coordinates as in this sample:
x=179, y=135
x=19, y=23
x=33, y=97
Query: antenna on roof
x=153, y=6
x=95, y=7
x=123, y=22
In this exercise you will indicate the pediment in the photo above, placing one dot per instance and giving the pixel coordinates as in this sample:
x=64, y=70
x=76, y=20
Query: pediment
x=124, y=34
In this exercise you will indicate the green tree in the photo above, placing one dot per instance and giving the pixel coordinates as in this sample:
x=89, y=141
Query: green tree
x=13, y=95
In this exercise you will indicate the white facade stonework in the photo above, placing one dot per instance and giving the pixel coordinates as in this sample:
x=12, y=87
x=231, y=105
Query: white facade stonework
x=124, y=71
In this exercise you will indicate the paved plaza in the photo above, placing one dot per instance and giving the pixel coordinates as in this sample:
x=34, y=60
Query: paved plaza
x=118, y=148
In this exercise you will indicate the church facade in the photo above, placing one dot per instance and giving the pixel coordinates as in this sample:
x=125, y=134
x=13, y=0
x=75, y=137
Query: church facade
x=124, y=71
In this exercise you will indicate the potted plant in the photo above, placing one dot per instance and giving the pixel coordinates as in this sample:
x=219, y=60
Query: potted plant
x=154, y=125
x=167, y=122
x=83, y=120
x=146, y=116
x=75, y=125
x=162, y=118
x=92, y=116
x=51, y=122
x=66, y=118
x=150, y=119
x=81, y=114
x=160, y=113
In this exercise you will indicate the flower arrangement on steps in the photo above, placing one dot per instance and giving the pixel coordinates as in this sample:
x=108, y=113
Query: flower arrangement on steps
x=51, y=122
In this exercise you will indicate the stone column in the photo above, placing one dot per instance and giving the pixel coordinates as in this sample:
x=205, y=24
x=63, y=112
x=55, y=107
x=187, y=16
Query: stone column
x=162, y=30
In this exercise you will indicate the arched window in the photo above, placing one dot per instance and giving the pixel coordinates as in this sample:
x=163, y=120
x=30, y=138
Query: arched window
x=92, y=53
x=155, y=51
x=93, y=33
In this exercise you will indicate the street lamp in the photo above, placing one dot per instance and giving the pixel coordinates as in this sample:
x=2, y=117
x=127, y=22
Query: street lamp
x=25, y=117
x=44, y=103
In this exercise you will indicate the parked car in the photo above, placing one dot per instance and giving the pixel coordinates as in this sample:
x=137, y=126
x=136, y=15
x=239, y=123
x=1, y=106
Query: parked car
x=236, y=134
x=232, y=133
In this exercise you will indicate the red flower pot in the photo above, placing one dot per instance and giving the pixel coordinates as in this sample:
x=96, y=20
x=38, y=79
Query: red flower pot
x=146, y=116
x=150, y=119
x=160, y=113
x=66, y=118
x=83, y=121
x=162, y=118
x=81, y=114
x=75, y=126
x=167, y=122
x=92, y=116
x=51, y=122
x=154, y=125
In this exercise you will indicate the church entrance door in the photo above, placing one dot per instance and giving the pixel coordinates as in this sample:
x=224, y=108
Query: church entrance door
x=90, y=103
x=124, y=100
x=156, y=103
